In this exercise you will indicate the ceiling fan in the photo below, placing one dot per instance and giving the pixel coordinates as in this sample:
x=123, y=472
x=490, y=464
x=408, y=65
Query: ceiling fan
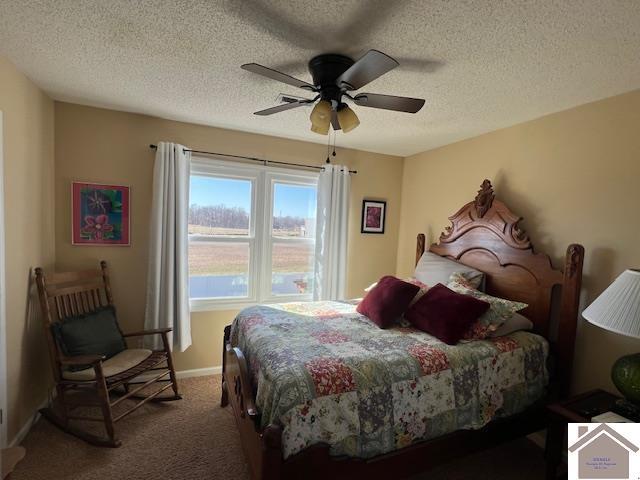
x=334, y=78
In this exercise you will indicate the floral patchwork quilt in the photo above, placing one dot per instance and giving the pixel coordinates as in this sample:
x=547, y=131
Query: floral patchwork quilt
x=328, y=374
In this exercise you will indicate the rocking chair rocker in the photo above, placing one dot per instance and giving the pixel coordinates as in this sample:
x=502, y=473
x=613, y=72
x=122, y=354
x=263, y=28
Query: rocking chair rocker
x=91, y=380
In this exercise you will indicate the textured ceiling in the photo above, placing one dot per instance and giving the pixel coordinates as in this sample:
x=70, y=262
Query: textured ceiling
x=480, y=65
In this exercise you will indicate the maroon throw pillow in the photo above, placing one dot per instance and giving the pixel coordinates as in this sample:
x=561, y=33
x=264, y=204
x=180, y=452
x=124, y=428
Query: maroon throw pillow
x=445, y=314
x=387, y=301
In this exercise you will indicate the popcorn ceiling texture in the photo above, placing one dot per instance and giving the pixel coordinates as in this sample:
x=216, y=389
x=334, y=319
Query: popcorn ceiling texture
x=480, y=65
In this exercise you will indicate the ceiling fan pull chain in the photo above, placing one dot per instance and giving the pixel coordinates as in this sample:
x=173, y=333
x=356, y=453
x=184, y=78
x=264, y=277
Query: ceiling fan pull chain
x=334, y=143
x=328, y=148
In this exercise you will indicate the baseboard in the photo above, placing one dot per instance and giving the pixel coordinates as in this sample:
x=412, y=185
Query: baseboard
x=24, y=431
x=199, y=372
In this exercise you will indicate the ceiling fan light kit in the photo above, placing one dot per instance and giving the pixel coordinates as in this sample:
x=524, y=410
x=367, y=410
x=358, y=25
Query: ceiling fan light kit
x=334, y=76
x=347, y=118
x=321, y=117
x=319, y=129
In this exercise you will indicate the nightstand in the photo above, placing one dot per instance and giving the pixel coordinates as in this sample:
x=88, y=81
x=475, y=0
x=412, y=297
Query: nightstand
x=577, y=409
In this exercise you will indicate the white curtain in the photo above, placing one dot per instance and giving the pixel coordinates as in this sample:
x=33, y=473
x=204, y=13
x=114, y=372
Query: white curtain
x=168, y=274
x=331, y=227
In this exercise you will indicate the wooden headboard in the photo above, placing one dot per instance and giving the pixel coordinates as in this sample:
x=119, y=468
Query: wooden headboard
x=484, y=234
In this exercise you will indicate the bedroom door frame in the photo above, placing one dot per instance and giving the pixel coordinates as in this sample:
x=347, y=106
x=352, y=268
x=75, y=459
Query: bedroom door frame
x=3, y=314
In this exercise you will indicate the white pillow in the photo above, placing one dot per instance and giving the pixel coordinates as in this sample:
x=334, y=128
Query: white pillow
x=371, y=287
x=515, y=323
x=433, y=269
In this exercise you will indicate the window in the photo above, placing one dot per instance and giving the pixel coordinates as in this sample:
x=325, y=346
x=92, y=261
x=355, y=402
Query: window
x=251, y=234
x=293, y=237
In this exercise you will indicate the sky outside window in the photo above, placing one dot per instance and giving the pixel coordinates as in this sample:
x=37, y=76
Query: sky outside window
x=289, y=200
x=230, y=192
x=294, y=201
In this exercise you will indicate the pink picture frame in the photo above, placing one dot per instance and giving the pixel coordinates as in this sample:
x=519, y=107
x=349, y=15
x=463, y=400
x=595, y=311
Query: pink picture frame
x=100, y=214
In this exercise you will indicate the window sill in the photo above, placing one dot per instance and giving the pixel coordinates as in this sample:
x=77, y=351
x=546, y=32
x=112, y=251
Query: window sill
x=209, y=305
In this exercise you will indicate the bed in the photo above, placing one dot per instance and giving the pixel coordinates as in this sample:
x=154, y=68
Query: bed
x=317, y=389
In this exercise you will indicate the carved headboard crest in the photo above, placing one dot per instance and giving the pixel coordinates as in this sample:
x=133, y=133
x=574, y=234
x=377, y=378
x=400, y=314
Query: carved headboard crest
x=484, y=199
x=487, y=212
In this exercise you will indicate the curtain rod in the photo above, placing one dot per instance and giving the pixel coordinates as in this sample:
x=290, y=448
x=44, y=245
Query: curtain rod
x=253, y=159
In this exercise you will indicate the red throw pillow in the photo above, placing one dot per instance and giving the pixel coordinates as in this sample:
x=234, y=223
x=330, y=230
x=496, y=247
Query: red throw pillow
x=387, y=301
x=445, y=314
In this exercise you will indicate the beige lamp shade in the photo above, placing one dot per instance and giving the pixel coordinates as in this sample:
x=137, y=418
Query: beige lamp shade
x=617, y=309
x=321, y=117
x=347, y=119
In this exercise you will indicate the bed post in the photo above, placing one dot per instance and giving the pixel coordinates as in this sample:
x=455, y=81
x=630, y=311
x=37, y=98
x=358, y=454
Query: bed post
x=224, y=398
x=271, y=452
x=262, y=446
x=570, y=304
x=420, y=246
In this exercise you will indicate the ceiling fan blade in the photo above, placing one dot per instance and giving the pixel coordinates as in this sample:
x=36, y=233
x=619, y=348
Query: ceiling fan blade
x=407, y=64
x=281, y=108
x=389, y=102
x=276, y=75
x=370, y=66
x=334, y=121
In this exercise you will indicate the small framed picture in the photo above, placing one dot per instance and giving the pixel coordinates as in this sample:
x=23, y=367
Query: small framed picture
x=99, y=214
x=373, y=216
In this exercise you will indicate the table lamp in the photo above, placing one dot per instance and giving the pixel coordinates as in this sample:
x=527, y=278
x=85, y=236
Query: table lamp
x=617, y=309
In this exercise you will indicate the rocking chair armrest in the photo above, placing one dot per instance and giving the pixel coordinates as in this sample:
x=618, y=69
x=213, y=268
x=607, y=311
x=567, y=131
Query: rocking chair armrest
x=155, y=331
x=82, y=360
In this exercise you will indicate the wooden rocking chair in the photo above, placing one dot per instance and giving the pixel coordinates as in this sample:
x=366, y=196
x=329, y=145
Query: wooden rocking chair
x=63, y=295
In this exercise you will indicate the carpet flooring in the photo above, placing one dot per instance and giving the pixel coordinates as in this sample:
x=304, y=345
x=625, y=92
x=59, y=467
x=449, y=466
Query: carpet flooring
x=195, y=439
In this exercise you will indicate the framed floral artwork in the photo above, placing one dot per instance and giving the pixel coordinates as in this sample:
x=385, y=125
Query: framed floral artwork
x=99, y=214
x=373, y=216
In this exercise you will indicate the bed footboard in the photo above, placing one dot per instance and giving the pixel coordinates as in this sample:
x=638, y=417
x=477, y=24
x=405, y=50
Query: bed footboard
x=262, y=447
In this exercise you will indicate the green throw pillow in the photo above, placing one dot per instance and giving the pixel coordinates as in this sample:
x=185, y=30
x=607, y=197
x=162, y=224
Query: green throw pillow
x=95, y=333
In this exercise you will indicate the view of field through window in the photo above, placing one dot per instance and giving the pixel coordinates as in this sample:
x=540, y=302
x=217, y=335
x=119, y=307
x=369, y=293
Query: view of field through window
x=293, y=238
x=219, y=237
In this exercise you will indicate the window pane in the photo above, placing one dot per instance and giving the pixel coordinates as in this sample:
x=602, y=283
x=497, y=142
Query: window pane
x=292, y=268
x=219, y=206
x=294, y=210
x=218, y=269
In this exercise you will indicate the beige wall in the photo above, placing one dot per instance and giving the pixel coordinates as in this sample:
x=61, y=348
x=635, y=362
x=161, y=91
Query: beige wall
x=29, y=220
x=573, y=176
x=107, y=146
